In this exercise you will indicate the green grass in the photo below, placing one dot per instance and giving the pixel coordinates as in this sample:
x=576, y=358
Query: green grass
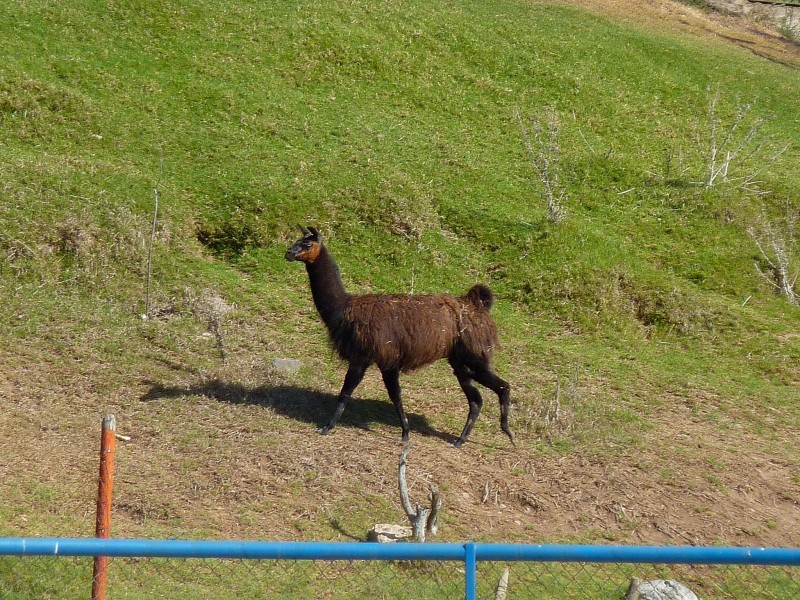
x=391, y=128
x=133, y=579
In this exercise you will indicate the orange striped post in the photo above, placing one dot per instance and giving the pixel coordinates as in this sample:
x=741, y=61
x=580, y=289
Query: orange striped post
x=108, y=444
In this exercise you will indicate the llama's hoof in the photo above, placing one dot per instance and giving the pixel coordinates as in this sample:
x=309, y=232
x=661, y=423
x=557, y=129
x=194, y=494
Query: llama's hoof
x=324, y=430
x=458, y=443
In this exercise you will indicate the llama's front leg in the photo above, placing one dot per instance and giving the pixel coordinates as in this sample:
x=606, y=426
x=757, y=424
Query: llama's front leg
x=391, y=379
x=355, y=373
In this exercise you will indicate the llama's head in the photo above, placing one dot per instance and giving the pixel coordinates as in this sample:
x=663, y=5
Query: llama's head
x=307, y=248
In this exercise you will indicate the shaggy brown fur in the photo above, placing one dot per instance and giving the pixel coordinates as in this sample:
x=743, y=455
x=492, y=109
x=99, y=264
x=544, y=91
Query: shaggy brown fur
x=407, y=332
x=402, y=332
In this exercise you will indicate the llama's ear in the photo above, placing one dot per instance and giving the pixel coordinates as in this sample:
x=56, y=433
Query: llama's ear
x=303, y=230
x=314, y=232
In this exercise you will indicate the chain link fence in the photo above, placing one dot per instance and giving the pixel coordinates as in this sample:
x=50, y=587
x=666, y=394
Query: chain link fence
x=141, y=569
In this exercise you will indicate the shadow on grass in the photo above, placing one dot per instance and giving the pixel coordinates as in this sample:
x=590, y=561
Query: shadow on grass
x=301, y=404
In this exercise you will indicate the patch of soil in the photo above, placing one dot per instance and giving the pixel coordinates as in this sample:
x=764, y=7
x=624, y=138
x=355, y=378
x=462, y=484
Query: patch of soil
x=667, y=15
x=224, y=460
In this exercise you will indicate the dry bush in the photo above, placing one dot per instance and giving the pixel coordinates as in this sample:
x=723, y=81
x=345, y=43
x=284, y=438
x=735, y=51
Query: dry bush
x=777, y=244
x=557, y=417
x=554, y=419
x=736, y=149
x=540, y=135
x=212, y=310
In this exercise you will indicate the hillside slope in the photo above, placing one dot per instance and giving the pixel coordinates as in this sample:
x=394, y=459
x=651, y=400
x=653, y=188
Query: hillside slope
x=655, y=373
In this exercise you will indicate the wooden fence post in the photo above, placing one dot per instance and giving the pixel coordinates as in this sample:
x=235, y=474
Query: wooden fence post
x=104, y=487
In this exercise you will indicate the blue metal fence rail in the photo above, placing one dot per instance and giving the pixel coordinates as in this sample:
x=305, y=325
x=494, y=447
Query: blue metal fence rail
x=470, y=553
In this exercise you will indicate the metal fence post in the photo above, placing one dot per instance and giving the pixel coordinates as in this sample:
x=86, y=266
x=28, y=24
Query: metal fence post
x=470, y=568
x=104, y=488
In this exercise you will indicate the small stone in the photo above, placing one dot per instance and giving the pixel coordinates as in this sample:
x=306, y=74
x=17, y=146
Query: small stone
x=286, y=365
x=386, y=533
x=659, y=589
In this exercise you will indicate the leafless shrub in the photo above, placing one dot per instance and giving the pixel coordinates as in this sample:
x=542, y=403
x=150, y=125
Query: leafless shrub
x=736, y=144
x=557, y=417
x=777, y=243
x=540, y=420
x=212, y=310
x=541, y=138
x=553, y=414
x=674, y=168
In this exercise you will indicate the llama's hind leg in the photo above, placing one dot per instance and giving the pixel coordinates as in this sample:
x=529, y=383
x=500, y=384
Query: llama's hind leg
x=486, y=377
x=391, y=378
x=355, y=373
x=464, y=376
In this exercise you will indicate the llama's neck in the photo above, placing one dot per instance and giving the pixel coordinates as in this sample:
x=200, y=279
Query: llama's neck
x=327, y=288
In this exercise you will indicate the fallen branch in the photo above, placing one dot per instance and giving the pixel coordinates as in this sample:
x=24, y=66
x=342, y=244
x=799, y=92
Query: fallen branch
x=423, y=520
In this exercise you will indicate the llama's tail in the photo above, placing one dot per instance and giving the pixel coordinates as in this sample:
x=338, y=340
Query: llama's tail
x=480, y=296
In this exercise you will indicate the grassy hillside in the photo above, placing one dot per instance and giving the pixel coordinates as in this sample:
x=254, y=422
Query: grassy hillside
x=391, y=127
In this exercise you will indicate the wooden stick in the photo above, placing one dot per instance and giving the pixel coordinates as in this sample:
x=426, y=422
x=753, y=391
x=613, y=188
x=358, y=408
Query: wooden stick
x=108, y=444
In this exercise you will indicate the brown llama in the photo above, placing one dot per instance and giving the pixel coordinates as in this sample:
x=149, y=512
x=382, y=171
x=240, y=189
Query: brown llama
x=402, y=332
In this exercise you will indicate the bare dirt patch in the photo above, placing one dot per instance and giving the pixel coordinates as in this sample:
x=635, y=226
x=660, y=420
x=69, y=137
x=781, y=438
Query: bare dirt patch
x=220, y=458
x=668, y=16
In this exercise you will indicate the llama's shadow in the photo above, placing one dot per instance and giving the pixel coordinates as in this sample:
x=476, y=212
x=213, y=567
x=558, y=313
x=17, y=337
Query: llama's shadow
x=302, y=404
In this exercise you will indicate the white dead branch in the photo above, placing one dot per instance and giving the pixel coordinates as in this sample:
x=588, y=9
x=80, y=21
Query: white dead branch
x=777, y=244
x=423, y=520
